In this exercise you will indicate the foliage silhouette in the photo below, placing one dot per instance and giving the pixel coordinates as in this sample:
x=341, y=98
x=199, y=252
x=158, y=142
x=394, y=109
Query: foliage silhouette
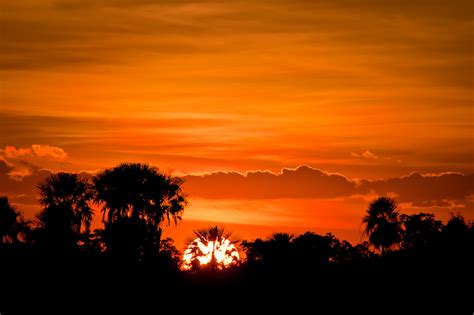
x=308, y=251
x=421, y=231
x=67, y=214
x=13, y=227
x=136, y=199
x=458, y=238
x=382, y=224
x=169, y=254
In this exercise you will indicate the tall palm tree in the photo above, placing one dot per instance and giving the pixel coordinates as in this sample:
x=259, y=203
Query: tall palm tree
x=382, y=224
x=67, y=213
x=212, y=249
x=12, y=224
x=136, y=198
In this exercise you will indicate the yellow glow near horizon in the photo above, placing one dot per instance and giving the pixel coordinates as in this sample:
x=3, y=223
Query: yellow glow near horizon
x=224, y=252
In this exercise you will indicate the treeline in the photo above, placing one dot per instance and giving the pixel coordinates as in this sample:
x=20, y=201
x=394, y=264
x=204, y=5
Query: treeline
x=135, y=199
x=58, y=247
x=420, y=236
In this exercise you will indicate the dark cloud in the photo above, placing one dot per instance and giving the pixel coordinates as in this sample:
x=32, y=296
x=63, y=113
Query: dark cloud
x=305, y=182
x=424, y=190
x=446, y=190
x=302, y=182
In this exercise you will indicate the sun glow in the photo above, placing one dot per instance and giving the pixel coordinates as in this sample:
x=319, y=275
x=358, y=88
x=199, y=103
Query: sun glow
x=218, y=254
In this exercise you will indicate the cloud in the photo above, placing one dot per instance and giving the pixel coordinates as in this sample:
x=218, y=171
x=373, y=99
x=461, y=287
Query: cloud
x=36, y=150
x=369, y=155
x=424, y=190
x=49, y=151
x=420, y=190
x=292, y=186
x=12, y=152
x=22, y=162
x=301, y=182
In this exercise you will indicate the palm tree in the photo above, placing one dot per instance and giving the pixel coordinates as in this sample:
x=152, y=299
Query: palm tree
x=382, y=224
x=136, y=199
x=67, y=213
x=212, y=249
x=12, y=224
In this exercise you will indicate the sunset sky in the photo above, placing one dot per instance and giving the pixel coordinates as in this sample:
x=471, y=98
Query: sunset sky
x=280, y=115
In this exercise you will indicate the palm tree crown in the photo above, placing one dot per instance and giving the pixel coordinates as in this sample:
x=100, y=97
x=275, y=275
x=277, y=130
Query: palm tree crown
x=70, y=194
x=135, y=190
x=136, y=199
x=382, y=224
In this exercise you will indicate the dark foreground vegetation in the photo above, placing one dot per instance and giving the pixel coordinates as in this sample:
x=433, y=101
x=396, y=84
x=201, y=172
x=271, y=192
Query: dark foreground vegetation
x=56, y=264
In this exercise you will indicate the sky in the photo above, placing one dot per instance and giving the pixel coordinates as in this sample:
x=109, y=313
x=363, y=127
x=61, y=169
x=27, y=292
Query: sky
x=280, y=115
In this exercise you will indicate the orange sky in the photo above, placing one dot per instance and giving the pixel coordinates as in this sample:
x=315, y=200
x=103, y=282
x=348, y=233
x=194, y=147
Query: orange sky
x=368, y=89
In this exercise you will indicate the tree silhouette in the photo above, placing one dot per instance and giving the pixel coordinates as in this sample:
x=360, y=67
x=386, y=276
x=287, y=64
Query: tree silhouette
x=456, y=228
x=274, y=253
x=66, y=215
x=136, y=199
x=458, y=236
x=169, y=254
x=382, y=224
x=256, y=252
x=280, y=248
x=313, y=249
x=13, y=226
x=308, y=251
x=421, y=231
x=211, y=250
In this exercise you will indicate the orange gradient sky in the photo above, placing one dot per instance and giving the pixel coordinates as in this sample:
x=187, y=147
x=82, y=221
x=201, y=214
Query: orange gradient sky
x=371, y=90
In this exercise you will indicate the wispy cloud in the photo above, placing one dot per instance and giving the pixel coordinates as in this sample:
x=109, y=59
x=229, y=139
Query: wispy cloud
x=369, y=155
x=366, y=154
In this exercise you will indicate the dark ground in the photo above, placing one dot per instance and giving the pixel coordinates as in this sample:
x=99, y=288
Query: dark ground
x=394, y=284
